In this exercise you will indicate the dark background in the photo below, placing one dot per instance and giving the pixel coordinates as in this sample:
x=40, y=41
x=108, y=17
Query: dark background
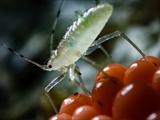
x=25, y=26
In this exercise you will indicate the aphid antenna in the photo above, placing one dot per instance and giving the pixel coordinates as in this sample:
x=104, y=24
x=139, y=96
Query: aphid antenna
x=54, y=26
x=44, y=67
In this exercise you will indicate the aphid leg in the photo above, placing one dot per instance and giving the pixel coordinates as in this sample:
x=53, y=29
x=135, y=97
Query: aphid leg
x=77, y=72
x=106, y=53
x=54, y=26
x=50, y=100
x=93, y=64
x=93, y=47
x=53, y=83
x=113, y=35
x=81, y=81
x=97, y=67
x=79, y=77
x=73, y=79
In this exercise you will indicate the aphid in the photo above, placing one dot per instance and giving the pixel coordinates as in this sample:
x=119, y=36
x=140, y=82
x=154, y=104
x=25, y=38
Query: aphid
x=77, y=42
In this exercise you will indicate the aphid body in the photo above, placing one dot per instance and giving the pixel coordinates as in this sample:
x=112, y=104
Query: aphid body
x=79, y=37
x=74, y=44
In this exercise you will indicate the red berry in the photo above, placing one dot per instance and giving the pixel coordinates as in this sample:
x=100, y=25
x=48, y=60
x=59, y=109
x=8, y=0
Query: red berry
x=85, y=112
x=115, y=70
x=104, y=92
x=153, y=60
x=156, y=84
x=61, y=117
x=102, y=117
x=74, y=101
x=140, y=70
x=154, y=116
x=135, y=101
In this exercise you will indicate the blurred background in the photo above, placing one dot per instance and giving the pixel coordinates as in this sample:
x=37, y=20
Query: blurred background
x=25, y=26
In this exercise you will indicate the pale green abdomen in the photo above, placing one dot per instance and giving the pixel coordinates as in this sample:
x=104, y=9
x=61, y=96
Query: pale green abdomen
x=81, y=34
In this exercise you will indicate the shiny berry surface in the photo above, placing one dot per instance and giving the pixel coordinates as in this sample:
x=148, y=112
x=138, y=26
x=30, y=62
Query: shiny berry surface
x=74, y=101
x=154, y=116
x=156, y=84
x=140, y=70
x=61, y=117
x=155, y=61
x=135, y=101
x=102, y=117
x=104, y=92
x=85, y=112
x=115, y=70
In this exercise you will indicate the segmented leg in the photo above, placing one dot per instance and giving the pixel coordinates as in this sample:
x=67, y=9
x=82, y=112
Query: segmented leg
x=81, y=81
x=77, y=72
x=93, y=47
x=98, y=68
x=106, y=53
x=91, y=62
x=97, y=43
x=94, y=64
x=52, y=103
x=54, y=26
x=72, y=71
x=53, y=83
x=73, y=79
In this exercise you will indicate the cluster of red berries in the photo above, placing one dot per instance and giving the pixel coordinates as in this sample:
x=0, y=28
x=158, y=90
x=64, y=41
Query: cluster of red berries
x=131, y=93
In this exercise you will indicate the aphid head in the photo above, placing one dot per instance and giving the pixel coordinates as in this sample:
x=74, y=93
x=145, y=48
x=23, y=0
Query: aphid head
x=54, y=64
x=49, y=65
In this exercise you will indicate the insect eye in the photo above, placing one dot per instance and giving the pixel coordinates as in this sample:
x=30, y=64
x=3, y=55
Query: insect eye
x=49, y=66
